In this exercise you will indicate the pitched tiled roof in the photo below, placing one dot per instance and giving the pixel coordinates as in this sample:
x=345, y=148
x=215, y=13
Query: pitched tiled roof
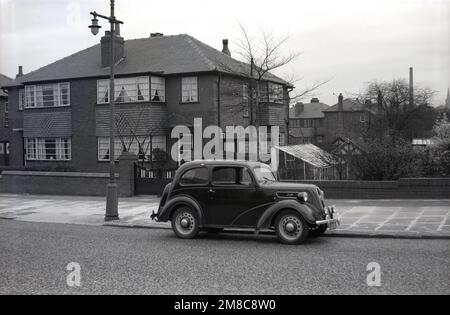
x=311, y=110
x=349, y=106
x=176, y=54
x=4, y=80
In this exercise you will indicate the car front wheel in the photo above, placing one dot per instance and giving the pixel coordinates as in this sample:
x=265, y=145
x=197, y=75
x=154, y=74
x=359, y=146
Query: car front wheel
x=291, y=228
x=185, y=223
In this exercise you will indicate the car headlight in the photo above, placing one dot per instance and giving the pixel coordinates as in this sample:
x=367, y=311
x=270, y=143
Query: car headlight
x=302, y=197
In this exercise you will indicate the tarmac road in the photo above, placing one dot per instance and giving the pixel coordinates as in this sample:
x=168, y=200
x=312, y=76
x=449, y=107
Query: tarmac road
x=34, y=258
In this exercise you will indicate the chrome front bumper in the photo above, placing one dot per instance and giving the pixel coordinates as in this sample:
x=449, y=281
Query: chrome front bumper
x=331, y=217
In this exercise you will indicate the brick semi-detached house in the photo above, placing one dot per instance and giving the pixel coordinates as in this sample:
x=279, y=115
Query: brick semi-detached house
x=59, y=114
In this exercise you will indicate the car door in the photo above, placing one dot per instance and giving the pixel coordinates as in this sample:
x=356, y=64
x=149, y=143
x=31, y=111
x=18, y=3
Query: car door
x=232, y=193
x=194, y=183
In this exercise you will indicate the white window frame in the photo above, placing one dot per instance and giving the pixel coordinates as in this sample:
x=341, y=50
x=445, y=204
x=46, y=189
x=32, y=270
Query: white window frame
x=35, y=98
x=189, y=90
x=21, y=100
x=132, y=145
x=36, y=150
x=130, y=86
x=158, y=85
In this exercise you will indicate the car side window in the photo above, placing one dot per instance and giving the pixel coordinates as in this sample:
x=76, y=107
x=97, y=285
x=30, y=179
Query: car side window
x=228, y=176
x=195, y=177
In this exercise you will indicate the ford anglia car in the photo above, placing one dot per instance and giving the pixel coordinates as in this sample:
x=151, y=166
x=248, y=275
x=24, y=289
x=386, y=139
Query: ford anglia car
x=214, y=195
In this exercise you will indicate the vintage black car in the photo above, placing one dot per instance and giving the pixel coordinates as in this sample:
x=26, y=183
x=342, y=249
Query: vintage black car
x=213, y=195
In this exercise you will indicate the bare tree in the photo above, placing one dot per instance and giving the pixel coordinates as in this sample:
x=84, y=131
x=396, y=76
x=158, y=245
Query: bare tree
x=261, y=55
x=394, y=113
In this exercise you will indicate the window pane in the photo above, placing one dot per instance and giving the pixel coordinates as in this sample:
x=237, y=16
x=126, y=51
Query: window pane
x=225, y=176
x=198, y=176
x=189, y=89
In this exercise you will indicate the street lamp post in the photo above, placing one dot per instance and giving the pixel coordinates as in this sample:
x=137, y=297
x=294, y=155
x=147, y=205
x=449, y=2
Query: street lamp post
x=112, y=198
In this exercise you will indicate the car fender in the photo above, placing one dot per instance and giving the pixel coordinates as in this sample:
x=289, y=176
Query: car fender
x=166, y=212
x=303, y=209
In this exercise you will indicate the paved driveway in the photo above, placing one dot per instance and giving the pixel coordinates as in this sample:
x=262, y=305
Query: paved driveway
x=409, y=218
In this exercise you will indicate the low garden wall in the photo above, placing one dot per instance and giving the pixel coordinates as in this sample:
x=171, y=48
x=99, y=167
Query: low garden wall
x=407, y=188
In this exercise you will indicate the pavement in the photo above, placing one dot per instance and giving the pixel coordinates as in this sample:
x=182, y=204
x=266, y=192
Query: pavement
x=359, y=218
x=35, y=256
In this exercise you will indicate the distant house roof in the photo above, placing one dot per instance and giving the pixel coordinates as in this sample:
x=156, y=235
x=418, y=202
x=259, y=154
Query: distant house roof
x=4, y=80
x=310, y=111
x=166, y=55
x=349, y=106
x=310, y=154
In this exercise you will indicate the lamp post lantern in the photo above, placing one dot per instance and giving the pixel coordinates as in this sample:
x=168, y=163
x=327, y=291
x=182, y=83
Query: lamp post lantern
x=112, y=197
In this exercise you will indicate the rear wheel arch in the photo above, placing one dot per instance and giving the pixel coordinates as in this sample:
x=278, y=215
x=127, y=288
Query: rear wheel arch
x=191, y=205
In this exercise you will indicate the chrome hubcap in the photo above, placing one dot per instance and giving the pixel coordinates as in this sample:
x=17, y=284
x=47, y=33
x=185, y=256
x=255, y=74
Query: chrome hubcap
x=290, y=227
x=185, y=223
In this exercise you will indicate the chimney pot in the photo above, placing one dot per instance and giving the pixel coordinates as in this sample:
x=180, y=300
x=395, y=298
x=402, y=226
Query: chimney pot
x=226, y=49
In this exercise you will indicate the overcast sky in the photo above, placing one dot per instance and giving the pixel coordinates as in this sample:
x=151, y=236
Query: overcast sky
x=352, y=42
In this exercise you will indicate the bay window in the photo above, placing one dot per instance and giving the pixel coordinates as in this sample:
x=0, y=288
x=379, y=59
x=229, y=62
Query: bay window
x=48, y=149
x=189, y=88
x=127, y=90
x=140, y=145
x=48, y=95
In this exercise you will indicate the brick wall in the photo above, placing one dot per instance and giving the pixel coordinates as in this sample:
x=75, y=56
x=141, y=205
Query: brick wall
x=69, y=183
x=420, y=188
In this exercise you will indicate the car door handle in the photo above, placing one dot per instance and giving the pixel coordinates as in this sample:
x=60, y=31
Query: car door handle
x=212, y=191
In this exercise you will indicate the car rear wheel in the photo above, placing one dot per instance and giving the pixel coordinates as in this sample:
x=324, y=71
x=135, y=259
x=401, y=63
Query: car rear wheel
x=185, y=223
x=291, y=228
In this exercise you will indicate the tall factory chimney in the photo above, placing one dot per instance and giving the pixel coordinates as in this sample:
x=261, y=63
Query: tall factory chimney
x=411, y=87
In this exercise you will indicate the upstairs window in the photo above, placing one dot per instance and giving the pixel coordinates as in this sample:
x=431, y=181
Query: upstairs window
x=158, y=89
x=21, y=99
x=189, y=87
x=48, y=95
x=276, y=93
x=127, y=90
x=6, y=116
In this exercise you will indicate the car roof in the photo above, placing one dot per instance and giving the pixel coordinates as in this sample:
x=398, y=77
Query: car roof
x=220, y=163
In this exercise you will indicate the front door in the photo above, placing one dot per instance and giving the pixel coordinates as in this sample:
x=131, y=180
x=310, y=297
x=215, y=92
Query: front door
x=232, y=193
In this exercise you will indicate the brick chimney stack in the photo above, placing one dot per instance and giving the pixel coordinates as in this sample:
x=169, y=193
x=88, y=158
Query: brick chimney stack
x=411, y=87
x=119, y=48
x=226, y=49
x=340, y=127
x=299, y=109
x=20, y=73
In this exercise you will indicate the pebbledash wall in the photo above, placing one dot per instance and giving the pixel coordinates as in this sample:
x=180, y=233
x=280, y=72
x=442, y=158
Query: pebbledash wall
x=405, y=188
